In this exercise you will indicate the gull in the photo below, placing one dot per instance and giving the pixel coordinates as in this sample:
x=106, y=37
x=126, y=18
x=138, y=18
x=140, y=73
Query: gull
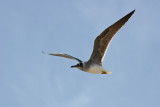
x=101, y=43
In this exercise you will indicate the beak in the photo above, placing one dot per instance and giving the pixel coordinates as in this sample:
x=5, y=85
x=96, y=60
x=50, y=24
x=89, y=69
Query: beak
x=74, y=66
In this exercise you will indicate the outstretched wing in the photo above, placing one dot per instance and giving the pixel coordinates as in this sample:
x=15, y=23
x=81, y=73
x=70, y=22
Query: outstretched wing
x=64, y=55
x=102, y=41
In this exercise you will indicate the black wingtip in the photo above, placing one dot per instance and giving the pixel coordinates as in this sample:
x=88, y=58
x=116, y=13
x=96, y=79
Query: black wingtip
x=127, y=16
x=132, y=12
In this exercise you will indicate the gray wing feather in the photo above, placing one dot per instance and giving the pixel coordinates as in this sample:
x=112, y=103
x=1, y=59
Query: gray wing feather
x=64, y=55
x=102, y=41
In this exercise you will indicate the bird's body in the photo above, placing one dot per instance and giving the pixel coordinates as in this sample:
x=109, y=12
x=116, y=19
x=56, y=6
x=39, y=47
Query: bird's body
x=97, y=69
x=93, y=68
x=94, y=64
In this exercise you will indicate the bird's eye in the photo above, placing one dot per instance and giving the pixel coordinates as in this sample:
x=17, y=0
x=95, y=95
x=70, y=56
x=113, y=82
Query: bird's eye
x=81, y=64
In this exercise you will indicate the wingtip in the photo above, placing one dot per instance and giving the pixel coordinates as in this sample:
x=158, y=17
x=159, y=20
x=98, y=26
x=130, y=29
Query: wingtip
x=47, y=53
x=51, y=54
x=44, y=52
x=134, y=10
x=129, y=15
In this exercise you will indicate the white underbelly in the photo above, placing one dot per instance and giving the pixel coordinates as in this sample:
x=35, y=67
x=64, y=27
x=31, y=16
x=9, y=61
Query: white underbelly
x=95, y=69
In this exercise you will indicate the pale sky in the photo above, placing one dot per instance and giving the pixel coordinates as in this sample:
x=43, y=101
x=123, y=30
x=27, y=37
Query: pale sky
x=29, y=78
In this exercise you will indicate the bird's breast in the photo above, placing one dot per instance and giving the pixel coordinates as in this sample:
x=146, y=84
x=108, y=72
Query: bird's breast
x=95, y=69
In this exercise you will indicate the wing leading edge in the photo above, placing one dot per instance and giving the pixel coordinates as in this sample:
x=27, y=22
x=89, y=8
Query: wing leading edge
x=64, y=55
x=102, y=41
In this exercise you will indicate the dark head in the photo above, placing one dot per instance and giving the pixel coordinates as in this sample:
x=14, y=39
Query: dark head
x=79, y=65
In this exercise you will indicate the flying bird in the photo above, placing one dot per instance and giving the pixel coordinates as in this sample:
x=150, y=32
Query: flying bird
x=94, y=64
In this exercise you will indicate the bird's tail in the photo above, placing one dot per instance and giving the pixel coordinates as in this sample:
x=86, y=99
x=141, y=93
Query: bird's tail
x=105, y=72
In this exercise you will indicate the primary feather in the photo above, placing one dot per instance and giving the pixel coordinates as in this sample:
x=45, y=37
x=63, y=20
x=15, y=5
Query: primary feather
x=102, y=41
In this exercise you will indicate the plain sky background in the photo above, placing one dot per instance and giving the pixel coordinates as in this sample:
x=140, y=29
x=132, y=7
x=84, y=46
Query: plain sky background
x=29, y=78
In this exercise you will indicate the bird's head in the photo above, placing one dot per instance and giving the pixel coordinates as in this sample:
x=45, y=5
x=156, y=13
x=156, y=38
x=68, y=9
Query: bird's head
x=79, y=66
